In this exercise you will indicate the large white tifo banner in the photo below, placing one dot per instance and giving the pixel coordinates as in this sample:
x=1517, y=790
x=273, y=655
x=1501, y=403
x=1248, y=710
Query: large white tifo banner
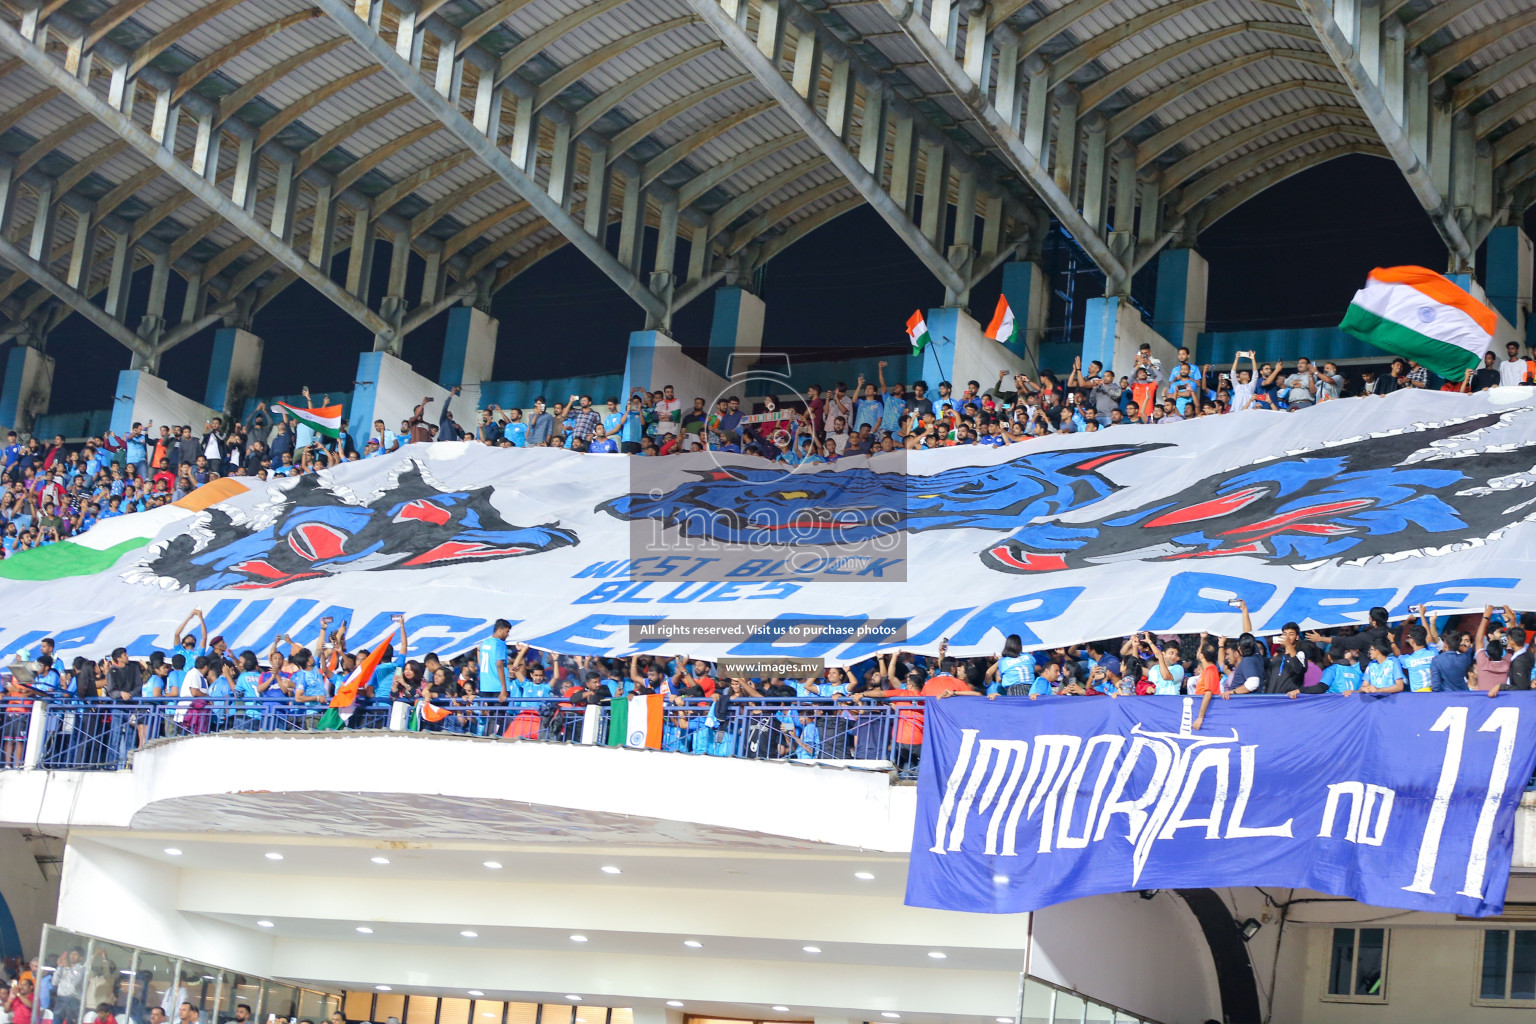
x=1418, y=498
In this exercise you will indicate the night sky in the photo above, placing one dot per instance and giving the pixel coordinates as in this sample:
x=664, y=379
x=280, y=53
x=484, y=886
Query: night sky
x=1292, y=257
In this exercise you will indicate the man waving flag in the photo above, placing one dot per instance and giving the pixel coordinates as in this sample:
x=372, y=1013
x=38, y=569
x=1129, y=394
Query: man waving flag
x=1423, y=316
x=344, y=704
x=325, y=419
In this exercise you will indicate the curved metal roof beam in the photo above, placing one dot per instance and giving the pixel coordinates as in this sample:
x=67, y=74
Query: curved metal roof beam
x=1444, y=61
x=591, y=112
x=342, y=132
x=1506, y=148
x=1501, y=110
x=411, y=182
x=498, y=247
x=348, y=176
x=1094, y=47
x=439, y=208
x=471, y=31
x=1156, y=145
x=1467, y=91
x=535, y=43
x=188, y=79
x=13, y=117
x=1520, y=170
x=1106, y=86
x=780, y=213
x=800, y=228
x=470, y=232
x=1142, y=109
x=561, y=80
x=1228, y=173
x=1235, y=197
x=258, y=83
x=701, y=183
x=721, y=219
x=287, y=115
x=624, y=140
x=111, y=18
x=526, y=261
x=680, y=150
x=1217, y=149
x=202, y=13
x=1048, y=27
x=27, y=159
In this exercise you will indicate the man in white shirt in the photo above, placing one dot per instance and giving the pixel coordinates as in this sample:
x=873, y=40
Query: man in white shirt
x=668, y=412
x=1513, y=371
x=1243, y=386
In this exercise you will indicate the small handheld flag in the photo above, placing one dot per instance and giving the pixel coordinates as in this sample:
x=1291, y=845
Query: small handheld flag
x=1002, y=328
x=1423, y=316
x=345, y=701
x=917, y=330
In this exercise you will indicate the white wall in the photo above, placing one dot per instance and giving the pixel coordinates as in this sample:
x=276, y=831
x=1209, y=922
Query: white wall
x=31, y=894
x=655, y=361
x=145, y=398
x=979, y=358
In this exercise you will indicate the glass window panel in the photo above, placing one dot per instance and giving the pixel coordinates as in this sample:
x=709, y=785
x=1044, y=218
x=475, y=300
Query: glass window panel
x=358, y=1006
x=155, y=974
x=1099, y=1014
x=1342, y=962
x=199, y=985
x=1069, y=1008
x=63, y=956
x=1495, y=960
x=314, y=1007
x=107, y=979
x=281, y=1001
x=557, y=1013
x=590, y=1014
x=1522, y=978
x=1370, y=963
x=387, y=1005
x=241, y=990
x=622, y=1015
x=489, y=1011
x=522, y=1013
x=453, y=1011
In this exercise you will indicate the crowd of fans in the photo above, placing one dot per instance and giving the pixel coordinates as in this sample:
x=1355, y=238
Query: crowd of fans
x=53, y=490
x=110, y=707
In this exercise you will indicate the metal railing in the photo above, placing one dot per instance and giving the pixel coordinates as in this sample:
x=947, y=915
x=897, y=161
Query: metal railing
x=102, y=735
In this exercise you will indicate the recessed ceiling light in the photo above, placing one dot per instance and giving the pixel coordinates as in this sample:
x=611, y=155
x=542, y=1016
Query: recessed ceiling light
x=381, y=988
x=891, y=1016
x=692, y=943
x=1003, y=1020
x=574, y=999
x=674, y=1002
x=274, y=856
x=470, y=935
x=379, y=860
x=364, y=930
x=494, y=865
x=263, y=924
x=171, y=851
x=578, y=938
x=864, y=876
x=610, y=869
x=938, y=956
x=476, y=992
x=779, y=1009
x=811, y=949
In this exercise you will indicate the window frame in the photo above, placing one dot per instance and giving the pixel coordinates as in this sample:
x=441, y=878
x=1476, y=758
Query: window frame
x=1380, y=999
x=1478, y=999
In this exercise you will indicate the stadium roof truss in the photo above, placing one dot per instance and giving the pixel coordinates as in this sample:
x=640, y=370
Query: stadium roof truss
x=246, y=144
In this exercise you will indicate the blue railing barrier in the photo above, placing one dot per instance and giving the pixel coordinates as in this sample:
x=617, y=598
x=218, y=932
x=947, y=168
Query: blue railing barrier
x=103, y=735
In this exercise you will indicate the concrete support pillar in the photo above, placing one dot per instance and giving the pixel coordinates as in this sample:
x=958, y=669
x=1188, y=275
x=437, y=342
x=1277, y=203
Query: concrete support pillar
x=736, y=330
x=1416, y=101
x=469, y=353
x=1024, y=286
x=26, y=388
x=1037, y=106
x=872, y=133
x=935, y=192
x=1064, y=167
x=1369, y=47
x=1393, y=55
x=655, y=360
x=234, y=370
x=1510, y=265
x=144, y=398
x=904, y=164
x=1179, y=315
x=1095, y=177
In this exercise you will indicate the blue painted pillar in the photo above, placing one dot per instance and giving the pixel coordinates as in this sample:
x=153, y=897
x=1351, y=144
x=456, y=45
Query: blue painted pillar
x=1024, y=288
x=26, y=389
x=233, y=371
x=1101, y=322
x=1179, y=315
x=937, y=362
x=737, y=329
x=1510, y=264
x=469, y=348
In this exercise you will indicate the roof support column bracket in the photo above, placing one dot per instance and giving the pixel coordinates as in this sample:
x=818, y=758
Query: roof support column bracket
x=1338, y=25
x=999, y=127
x=448, y=114
x=766, y=72
x=17, y=257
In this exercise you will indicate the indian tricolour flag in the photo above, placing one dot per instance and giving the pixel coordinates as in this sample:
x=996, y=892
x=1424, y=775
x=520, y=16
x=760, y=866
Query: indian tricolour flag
x=345, y=702
x=1002, y=327
x=917, y=330
x=1423, y=316
x=642, y=717
x=324, y=420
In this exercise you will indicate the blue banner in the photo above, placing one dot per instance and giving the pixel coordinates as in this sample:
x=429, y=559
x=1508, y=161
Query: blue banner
x=1399, y=801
